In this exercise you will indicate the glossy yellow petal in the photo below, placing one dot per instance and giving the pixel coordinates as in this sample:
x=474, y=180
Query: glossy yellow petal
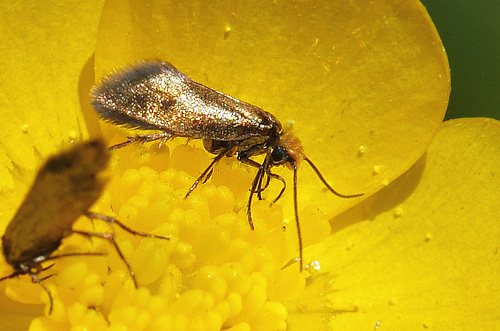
x=15, y=315
x=364, y=85
x=46, y=48
x=302, y=62
x=421, y=253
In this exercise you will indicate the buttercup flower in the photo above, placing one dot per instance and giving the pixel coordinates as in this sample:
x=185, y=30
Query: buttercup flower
x=365, y=87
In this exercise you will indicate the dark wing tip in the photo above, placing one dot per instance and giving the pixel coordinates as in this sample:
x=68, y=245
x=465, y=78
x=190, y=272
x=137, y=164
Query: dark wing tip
x=113, y=97
x=130, y=76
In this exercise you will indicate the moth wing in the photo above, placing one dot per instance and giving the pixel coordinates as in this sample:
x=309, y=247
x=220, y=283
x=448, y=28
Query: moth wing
x=157, y=96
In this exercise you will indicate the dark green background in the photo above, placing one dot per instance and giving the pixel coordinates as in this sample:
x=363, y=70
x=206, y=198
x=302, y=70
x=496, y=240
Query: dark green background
x=470, y=30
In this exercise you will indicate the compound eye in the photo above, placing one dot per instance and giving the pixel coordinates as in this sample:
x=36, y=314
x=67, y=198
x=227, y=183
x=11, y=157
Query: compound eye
x=279, y=155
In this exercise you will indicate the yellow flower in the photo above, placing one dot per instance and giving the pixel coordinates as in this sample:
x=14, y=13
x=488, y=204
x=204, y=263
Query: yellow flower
x=364, y=86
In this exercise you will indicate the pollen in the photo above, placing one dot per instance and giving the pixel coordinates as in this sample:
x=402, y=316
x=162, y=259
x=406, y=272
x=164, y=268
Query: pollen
x=361, y=150
x=24, y=128
x=214, y=273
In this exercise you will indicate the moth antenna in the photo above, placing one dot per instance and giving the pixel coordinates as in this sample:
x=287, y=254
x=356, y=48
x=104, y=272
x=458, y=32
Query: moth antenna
x=296, y=207
x=37, y=280
x=111, y=220
x=278, y=177
x=320, y=176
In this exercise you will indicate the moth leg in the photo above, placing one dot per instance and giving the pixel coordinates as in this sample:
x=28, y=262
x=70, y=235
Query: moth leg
x=258, y=149
x=208, y=176
x=266, y=185
x=278, y=177
x=47, y=267
x=206, y=172
x=243, y=158
x=260, y=188
x=253, y=190
x=47, y=277
x=12, y=275
x=256, y=185
x=111, y=238
x=144, y=138
x=250, y=162
x=112, y=220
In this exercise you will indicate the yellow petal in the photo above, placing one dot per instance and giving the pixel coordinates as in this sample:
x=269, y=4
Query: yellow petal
x=45, y=50
x=421, y=253
x=15, y=315
x=364, y=84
